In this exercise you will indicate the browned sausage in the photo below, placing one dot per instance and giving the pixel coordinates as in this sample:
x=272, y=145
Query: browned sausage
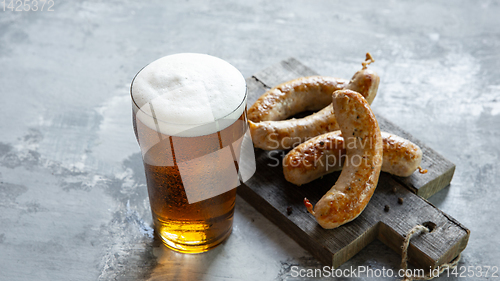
x=325, y=154
x=269, y=134
x=359, y=177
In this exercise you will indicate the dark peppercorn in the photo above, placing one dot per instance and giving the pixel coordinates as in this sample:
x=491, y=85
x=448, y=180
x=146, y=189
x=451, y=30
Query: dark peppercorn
x=400, y=201
x=288, y=210
x=386, y=208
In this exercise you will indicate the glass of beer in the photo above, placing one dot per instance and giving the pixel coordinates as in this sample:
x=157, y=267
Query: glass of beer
x=189, y=117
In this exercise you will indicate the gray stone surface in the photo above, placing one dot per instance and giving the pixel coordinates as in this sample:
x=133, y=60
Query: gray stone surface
x=73, y=200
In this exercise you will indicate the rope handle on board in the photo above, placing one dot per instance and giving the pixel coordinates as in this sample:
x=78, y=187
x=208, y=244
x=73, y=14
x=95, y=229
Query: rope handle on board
x=404, y=261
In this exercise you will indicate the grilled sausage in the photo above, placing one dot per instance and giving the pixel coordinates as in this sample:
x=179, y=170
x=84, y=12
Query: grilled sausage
x=325, y=154
x=295, y=96
x=268, y=133
x=359, y=177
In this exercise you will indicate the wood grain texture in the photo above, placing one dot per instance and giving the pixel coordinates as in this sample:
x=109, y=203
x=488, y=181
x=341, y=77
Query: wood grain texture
x=272, y=195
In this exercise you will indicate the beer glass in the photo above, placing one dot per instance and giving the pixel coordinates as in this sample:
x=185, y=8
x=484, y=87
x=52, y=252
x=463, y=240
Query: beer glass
x=189, y=117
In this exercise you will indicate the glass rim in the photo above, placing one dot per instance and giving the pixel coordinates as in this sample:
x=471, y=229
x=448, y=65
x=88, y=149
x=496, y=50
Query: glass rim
x=188, y=124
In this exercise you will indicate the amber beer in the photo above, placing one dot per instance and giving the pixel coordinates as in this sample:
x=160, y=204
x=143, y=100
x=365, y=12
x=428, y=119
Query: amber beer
x=191, y=166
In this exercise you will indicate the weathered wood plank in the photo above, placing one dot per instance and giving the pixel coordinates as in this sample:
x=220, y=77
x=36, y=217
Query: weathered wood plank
x=271, y=194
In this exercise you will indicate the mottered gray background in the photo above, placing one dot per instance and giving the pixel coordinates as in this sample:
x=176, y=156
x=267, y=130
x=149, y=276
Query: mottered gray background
x=73, y=199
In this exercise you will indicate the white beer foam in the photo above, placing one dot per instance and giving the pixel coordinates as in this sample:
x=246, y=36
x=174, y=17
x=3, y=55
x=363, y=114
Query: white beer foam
x=188, y=91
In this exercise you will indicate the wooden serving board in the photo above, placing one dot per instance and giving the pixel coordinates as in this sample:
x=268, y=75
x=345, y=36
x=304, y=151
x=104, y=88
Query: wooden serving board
x=273, y=196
